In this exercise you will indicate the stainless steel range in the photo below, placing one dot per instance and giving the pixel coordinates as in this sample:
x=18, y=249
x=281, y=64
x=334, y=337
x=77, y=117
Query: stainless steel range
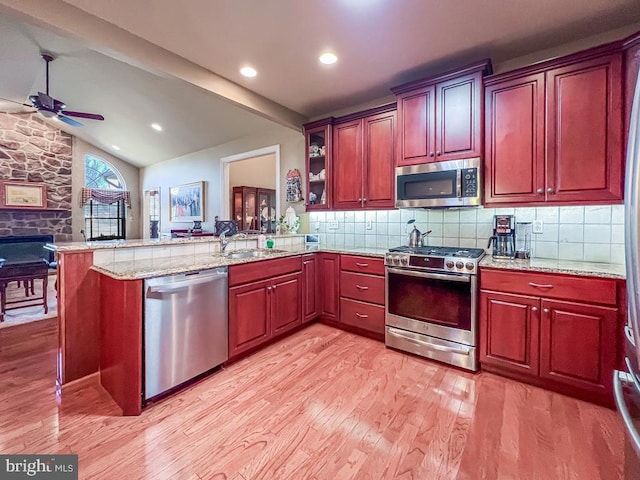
x=432, y=303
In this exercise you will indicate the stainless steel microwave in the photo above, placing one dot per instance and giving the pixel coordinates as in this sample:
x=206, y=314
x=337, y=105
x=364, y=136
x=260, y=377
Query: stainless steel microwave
x=455, y=183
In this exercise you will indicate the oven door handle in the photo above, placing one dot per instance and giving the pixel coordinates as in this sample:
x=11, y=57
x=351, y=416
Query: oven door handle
x=435, y=276
x=432, y=346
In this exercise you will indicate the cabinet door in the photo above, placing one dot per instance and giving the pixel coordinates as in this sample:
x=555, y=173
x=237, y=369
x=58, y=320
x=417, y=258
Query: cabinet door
x=578, y=345
x=329, y=285
x=379, y=154
x=347, y=165
x=286, y=307
x=458, y=119
x=584, y=131
x=416, y=138
x=509, y=329
x=310, y=301
x=318, y=155
x=514, y=143
x=248, y=317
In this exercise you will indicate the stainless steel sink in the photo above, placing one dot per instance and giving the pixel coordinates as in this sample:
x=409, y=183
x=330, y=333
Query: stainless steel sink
x=252, y=253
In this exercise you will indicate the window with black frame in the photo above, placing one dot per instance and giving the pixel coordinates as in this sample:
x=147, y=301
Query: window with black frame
x=105, y=201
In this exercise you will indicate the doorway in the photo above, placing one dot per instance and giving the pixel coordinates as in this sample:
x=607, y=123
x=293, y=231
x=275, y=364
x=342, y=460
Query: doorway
x=257, y=169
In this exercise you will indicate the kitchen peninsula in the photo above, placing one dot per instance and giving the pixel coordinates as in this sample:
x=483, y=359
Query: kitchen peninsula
x=79, y=285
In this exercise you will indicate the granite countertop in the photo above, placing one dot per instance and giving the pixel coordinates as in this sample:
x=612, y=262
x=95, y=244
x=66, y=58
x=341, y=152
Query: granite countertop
x=545, y=265
x=156, y=267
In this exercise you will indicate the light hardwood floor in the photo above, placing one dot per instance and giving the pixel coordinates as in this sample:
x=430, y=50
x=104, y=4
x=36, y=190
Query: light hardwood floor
x=321, y=404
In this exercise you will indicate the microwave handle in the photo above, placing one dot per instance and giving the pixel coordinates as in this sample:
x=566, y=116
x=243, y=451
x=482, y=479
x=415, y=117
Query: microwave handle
x=459, y=183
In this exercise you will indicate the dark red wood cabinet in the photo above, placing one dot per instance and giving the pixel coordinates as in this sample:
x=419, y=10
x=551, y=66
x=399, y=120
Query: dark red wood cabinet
x=319, y=174
x=267, y=305
x=440, y=118
x=329, y=278
x=510, y=332
x=554, y=132
x=362, y=294
x=363, y=160
x=552, y=330
x=348, y=165
x=310, y=296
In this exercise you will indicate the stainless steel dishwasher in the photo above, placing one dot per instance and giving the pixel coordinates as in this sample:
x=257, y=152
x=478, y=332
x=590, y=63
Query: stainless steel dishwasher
x=185, y=328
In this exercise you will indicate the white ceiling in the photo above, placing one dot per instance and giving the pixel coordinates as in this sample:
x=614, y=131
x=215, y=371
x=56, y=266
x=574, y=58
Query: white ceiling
x=129, y=98
x=381, y=43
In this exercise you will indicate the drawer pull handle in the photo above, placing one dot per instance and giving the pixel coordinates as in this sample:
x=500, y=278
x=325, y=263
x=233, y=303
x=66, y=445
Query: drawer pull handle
x=361, y=315
x=534, y=309
x=545, y=310
x=540, y=285
x=362, y=265
x=360, y=287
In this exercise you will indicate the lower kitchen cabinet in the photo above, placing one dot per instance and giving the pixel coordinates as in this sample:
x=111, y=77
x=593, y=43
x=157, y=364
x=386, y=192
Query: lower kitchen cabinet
x=556, y=331
x=329, y=279
x=578, y=344
x=262, y=309
x=310, y=298
x=362, y=293
x=510, y=332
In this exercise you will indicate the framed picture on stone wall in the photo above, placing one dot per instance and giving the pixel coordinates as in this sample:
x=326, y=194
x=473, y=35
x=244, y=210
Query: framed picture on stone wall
x=23, y=194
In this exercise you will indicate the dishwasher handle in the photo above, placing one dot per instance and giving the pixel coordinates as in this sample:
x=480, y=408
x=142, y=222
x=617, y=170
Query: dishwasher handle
x=174, y=287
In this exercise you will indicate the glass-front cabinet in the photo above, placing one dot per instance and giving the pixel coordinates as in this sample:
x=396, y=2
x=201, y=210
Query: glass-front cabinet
x=318, y=153
x=254, y=209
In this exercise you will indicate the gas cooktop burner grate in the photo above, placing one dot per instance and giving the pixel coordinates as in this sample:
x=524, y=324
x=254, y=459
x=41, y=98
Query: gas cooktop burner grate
x=441, y=251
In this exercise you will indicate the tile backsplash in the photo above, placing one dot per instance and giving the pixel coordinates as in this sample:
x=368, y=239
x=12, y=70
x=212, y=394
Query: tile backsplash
x=590, y=233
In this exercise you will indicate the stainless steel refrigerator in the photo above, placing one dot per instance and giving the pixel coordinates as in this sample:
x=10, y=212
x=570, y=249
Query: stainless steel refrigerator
x=627, y=383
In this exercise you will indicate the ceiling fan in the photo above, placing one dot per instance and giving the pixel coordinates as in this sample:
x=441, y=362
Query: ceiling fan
x=50, y=107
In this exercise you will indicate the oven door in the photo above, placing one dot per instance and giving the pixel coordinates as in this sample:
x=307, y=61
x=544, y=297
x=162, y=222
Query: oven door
x=439, y=305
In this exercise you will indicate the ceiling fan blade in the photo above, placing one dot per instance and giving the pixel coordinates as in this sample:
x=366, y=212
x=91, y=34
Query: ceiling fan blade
x=69, y=121
x=13, y=101
x=92, y=116
x=46, y=101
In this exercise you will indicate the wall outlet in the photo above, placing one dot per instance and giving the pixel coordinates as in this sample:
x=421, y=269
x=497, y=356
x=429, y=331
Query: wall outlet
x=369, y=225
x=537, y=226
x=332, y=225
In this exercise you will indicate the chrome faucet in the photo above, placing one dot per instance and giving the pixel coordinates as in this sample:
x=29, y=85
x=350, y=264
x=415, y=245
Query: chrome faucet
x=224, y=240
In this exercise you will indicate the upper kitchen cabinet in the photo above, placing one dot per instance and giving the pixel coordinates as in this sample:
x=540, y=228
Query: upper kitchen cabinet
x=554, y=132
x=363, y=159
x=319, y=165
x=440, y=118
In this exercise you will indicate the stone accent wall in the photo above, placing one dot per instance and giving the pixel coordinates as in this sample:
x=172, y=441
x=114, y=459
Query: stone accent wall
x=33, y=151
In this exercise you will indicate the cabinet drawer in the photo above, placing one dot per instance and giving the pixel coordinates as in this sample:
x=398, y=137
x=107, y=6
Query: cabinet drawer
x=362, y=315
x=372, y=266
x=566, y=287
x=367, y=288
x=263, y=269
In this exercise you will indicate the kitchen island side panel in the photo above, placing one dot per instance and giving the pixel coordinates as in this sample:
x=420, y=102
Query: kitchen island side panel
x=78, y=290
x=121, y=342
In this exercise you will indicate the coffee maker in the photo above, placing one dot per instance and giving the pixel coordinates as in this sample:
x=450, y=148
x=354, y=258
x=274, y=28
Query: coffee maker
x=504, y=236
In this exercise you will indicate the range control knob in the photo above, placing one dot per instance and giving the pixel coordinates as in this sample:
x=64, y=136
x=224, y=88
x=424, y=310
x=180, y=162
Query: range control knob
x=459, y=265
x=404, y=261
x=469, y=266
x=449, y=264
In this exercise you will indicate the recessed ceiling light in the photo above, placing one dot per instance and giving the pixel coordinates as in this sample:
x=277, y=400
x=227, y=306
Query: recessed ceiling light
x=328, y=58
x=115, y=147
x=248, y=72
x=156, y=126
